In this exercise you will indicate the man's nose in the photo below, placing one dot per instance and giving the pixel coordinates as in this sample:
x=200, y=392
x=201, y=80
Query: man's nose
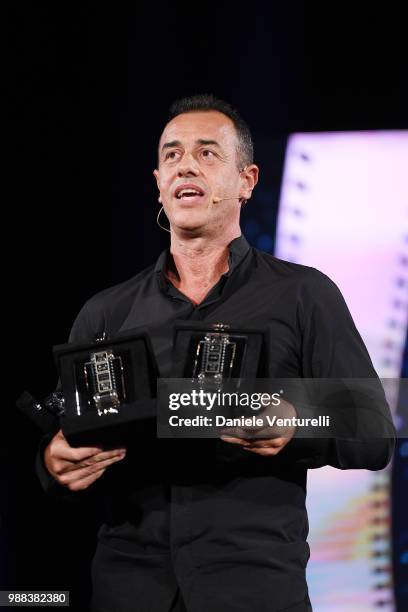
x=188, y=166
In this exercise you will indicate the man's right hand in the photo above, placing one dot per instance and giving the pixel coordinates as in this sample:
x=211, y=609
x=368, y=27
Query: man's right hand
x=78, y=468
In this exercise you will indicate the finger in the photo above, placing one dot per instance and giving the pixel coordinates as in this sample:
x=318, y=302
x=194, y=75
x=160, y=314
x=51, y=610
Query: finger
x=68, y=466
x=264, y=452
x=108, y=454
x=71, y=476
x=62, y=450
x=269, y=443
x=84, y=483
x=233, y=440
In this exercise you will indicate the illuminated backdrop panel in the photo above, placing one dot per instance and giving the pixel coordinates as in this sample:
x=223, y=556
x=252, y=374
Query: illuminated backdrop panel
x=344, y=210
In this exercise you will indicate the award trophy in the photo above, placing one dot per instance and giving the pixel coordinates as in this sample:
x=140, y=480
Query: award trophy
x=215, y=353
x=218, y=355
x=209, y=359
x=105, y=388
x=104, y=380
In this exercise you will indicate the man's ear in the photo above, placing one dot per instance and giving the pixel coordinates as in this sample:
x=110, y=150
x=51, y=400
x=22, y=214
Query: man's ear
x=157, y=177
x=249, y=178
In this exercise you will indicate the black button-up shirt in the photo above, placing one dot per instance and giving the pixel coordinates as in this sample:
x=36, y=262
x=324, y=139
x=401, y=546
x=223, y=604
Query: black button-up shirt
x=226, y=527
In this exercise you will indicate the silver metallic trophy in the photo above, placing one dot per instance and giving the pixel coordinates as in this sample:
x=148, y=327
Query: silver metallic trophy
x=105, y=382
x=215, y=355
x=107, y=388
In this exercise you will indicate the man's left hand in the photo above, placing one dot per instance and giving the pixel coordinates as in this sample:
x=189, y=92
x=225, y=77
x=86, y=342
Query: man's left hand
x=268, y=441
x=267, y=447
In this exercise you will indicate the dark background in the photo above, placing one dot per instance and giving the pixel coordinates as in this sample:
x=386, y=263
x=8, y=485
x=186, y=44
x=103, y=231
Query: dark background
x=88, y=90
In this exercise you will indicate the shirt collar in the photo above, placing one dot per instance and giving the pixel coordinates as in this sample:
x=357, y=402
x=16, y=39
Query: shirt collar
x=238, y=248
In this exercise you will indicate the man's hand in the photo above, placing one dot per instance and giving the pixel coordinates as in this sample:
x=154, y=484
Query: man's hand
x=78, y=468
x=266, y=441
x=267, y=447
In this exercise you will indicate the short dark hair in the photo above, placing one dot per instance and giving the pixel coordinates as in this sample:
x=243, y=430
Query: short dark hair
x=208, y=102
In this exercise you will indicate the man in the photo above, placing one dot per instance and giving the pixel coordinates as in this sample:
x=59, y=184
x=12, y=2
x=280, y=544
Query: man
x=215, y=525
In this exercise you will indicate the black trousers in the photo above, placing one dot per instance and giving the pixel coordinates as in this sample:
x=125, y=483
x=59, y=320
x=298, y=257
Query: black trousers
x=122, y=583
x=209, y=542
x=178, y=603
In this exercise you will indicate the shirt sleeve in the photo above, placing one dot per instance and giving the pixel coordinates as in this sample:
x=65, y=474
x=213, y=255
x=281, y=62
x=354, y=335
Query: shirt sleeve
x=332, y=348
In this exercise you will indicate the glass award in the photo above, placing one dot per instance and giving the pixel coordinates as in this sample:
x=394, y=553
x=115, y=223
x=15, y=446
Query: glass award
x=106, y=385
x=105, y=382
x=218, y=354
x=214, y=353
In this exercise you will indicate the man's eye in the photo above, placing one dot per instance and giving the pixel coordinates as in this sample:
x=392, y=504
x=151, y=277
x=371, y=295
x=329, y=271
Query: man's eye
x=171, y=155
x=208, y=154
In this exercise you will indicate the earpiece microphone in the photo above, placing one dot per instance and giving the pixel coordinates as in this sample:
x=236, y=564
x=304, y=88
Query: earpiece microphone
x=217, y=200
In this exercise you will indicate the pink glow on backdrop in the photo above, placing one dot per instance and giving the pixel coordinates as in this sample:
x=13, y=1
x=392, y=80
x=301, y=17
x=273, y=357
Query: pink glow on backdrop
x=344, y=210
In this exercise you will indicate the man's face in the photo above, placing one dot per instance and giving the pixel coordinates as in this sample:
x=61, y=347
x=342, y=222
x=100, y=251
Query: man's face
x=197, y=162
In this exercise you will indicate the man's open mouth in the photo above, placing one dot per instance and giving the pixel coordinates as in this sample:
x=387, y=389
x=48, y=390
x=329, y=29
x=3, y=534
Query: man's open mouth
x=184, y=192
